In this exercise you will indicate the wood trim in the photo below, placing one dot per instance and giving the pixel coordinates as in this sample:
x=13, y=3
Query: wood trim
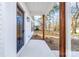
x=62, y=30
x=20, y=7
x=43, y=16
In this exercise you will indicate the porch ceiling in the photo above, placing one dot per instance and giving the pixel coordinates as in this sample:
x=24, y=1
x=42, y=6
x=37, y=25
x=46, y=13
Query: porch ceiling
x=39, y=8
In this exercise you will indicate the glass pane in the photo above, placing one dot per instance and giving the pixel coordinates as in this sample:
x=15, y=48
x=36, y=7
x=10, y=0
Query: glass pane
x=20, y=28
x=52, y=29
x=38, y=22
x=75, y=28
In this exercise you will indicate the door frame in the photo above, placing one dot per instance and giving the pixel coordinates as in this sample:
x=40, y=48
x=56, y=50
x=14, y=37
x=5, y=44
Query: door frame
x=20, y=11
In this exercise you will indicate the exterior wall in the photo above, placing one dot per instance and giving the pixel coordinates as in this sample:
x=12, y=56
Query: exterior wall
x=8, y=29
x=1, y=29
x=28, y=32
x=10, y=26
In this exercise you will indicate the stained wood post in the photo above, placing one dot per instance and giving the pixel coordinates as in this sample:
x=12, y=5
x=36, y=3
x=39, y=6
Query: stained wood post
x=62, y=30
x=43, y=26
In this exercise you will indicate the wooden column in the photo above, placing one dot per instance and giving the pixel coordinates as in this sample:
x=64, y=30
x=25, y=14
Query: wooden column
x=43, y=16
x=62, y=30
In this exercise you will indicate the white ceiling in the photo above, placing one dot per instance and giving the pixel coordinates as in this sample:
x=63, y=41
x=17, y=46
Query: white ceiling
x=39, y=8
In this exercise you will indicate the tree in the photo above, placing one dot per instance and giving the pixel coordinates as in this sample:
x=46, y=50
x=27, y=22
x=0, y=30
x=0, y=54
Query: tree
x=74, y=12
x=52, y=17
x=76, y=17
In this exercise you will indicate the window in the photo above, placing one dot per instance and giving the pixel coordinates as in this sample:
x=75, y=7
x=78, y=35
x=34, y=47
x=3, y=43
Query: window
x=20, y=27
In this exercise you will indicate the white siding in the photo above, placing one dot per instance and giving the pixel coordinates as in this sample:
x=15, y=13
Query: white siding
x=8, y=29
x=1, y=29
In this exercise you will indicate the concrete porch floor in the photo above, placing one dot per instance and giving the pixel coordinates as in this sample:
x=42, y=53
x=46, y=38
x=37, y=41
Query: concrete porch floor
x=38, y=48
